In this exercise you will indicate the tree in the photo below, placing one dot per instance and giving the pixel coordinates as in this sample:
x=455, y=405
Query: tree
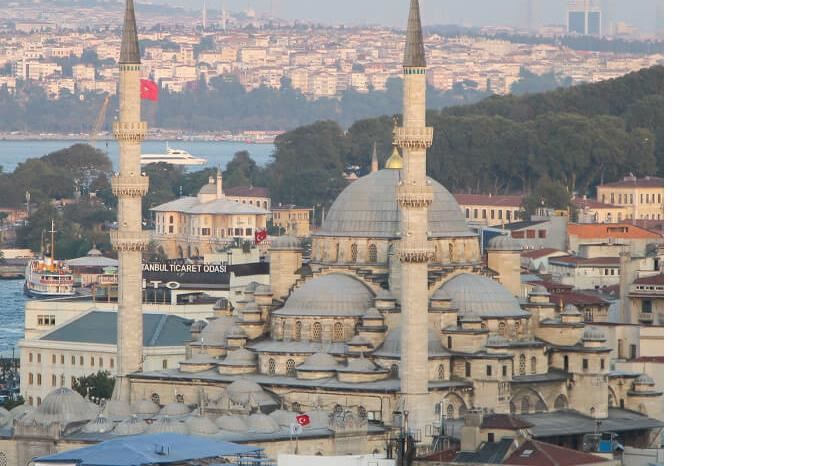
x=241, y=170
x=100, y=385
x=548, y=193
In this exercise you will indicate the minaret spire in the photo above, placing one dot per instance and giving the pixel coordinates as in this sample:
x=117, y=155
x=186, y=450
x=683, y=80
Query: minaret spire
x=414, y=196
x=130, y=51
x=374, y=160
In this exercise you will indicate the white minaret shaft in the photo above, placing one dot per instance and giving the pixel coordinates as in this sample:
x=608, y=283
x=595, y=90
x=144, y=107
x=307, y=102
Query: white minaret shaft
x=130, y=185
x=204, y=17
x=414, y=196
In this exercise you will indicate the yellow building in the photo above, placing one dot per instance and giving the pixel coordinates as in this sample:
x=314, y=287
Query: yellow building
x=251, y=195
x=641, y=198
x=294, y=220
x=194, y=226
x=488, y=209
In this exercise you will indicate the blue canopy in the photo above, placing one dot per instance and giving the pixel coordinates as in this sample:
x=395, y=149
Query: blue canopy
x=148, y=449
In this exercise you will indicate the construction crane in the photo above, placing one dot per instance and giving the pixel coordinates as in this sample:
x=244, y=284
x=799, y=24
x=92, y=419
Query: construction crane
x=93, y=135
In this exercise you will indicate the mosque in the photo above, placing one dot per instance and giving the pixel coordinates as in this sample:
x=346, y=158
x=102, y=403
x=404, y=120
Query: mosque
x=397, y=316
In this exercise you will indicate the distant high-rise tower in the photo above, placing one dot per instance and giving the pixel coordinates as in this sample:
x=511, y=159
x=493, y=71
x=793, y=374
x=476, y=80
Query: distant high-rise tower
x=584, y=17
x=204, y=16
x=223, y=17
x=130, y=185
x=414, y=196
x=532, y=20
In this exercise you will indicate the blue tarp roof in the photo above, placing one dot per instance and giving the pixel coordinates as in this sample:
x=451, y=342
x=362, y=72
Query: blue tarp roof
x=148, y=449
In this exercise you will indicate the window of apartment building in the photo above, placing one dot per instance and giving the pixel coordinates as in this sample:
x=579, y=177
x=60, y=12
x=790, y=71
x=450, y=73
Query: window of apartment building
x=205, y=232
x=31, y=357
x=467, y=213
x=602, y=363
x=508, y=215
x=54, y=359
x=39, y=401
x=92, y=361
x=612, y=199
x=249, y=232
x=100, y=362
x=489, y=370
x=239, y=231
x=164, y=364
x=73, y=360
x=111, y=363
x=38, y=358
x=467, y=369
x=632, y=351
x=62, y=380
x=659, y=201
x=81, y=360
x=484, y=213
x=39, y=379
x=500, y=214
x=585, y=364
x=54, y=380
x=44, y=319
x=62, y=359
x=541, y=233
x=476, y=213
x=529, y=234
x=647, y=305
x=31, y=378
x=171, y=229
x=641, y=198
x=518, y=234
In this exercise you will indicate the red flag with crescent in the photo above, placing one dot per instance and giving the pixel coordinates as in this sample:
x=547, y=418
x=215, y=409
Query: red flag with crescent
x=149, y=90
x=261, y=235
x=303, y=419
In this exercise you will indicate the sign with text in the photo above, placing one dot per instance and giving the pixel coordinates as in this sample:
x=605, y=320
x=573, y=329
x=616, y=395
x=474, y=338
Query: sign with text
x=173, y=276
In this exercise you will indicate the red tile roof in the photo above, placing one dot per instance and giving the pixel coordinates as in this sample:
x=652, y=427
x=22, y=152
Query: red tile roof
x=504, y=421
x=577, y=260
x=247, y=191
x=610, y=230
x=489, y=200
x=655, y=280
x=632, y=181
x=538, y=253
x=578, y=299
x=536, y=453
x=648, y=359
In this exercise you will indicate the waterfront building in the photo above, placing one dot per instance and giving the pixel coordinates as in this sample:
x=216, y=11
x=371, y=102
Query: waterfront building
x=193, y=226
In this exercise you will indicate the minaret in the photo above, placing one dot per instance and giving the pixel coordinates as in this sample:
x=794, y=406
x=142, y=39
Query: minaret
x=374, y=160
x=204, y=17
x=414, y=196
x=130, y=185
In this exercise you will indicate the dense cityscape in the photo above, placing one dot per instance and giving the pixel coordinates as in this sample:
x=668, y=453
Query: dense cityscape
x=470, y=271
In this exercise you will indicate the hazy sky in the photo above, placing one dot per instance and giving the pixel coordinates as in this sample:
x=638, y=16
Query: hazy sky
x=640, y=13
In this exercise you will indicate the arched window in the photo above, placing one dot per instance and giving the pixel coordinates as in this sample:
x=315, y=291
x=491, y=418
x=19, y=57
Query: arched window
x=156, y=398
x=525, y=406
x=373, y=256
x=501, y=329
x=54, y=380
x=38, y=401
x=296, y=407
x=291, y=368
x=336, y=255
x=394, y=370
x=298, y=331
x=440, y=372
x=62, y=380
x=450, y=252
x=354, y=252
x=565, y=363
x=533, y=365
x=449, y=412
x=467, y=213
x=522, y=364
x=561, y=402
x=271, y=366
x=467, y=369
x=179, y=398
x=171, y=218
x=363, y=413
x=317, y=331
x=517, y=327
x=338, y=332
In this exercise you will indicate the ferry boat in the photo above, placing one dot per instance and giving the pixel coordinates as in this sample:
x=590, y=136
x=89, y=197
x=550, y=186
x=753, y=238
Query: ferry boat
x=173, y=157
x=48, y=277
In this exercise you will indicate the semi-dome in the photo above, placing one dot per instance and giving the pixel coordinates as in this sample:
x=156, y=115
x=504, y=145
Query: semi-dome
x=262, y=424
x=593, y=334
x=99, y=425
x=175, y=409
x=232, y=423
x=368, y=208
x=482, y=295
x=167, y=424
x=64, y=406
x=392, y=346
x=329, y=295
x=201, y=425
x=145, y=408
x=131, y=426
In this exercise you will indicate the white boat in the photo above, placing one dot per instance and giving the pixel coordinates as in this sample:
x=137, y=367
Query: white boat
x=48, y=277
x=172, y=157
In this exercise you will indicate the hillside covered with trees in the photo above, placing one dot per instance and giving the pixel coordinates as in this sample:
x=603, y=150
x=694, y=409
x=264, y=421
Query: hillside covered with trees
x=544, y=145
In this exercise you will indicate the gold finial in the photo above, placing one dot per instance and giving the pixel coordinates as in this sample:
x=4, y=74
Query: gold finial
x=394, y=162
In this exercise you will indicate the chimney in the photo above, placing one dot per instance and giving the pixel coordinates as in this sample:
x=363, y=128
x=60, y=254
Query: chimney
x=470, y=437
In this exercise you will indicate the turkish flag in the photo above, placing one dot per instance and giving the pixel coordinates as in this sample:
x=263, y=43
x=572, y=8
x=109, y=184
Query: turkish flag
x=149, y=90
x=303, y=419
x=261, y=235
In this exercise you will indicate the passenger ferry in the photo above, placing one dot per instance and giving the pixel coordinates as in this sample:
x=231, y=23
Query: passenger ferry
x=47, y=277
x=172, y=157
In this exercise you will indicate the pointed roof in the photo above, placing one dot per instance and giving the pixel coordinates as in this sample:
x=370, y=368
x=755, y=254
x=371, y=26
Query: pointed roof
x=130, y=52
x=394, y=162
x=414, y=47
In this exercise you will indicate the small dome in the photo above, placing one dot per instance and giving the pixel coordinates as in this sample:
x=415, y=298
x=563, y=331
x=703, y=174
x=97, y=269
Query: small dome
x=117, y=408
x=94, y=252
x=5, y=416
x=394, y=161
x=131, y=426
x=215, y=333
x=262, y=424
x=539, y=290
x=201, y=425
x=167, y=424
x=593, y=334
x=504, y=243
x=644, y=379
x=329, y=295
x=571, y=310
x=319, y=362
x=283, y=418
x=145, y=408
x=232, y=423
x=285, y=242
x=241, y=390
x=99, y=425
x=361, y=364
x=373, y=313
x=175, y=409
x=482, y=295
x=236, y=332
x=64, y=406
x=221, y=304
x=241, y=356
x=20, y=410
x=198, y=326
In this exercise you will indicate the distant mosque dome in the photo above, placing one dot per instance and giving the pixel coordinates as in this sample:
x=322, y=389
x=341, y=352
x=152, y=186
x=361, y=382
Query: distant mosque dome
x=99, y=425
x=504, y=243
x=482, y=296
x=201, y=425
x=262, y=424
x=232, y=423
x=329, y=295
x=215, y=333
x=175, y=409
x=368, y=208
x=167, y=424
x=132, y=426
x=644, y=379
x=63, y=406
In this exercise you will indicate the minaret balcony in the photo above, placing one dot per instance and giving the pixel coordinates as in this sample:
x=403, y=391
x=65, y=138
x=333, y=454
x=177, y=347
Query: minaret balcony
x=413, y=138
x=415, y=251
x=130, y=186
x=414, y=195
x=129, y=240
x=129, y=131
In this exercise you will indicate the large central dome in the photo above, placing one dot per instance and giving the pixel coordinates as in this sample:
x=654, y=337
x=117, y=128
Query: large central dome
x=367, y=208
